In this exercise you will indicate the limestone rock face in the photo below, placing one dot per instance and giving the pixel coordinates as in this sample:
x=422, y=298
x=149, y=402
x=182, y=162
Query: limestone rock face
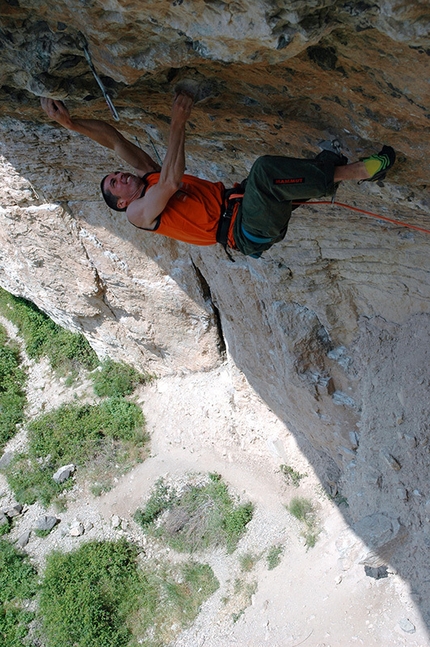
x=331, y=326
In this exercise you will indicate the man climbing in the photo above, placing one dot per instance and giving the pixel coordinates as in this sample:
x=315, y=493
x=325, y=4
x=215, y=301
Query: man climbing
x=250, y=218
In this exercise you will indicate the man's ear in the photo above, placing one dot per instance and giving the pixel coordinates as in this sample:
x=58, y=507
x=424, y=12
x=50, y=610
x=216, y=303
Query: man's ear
x=122, y=203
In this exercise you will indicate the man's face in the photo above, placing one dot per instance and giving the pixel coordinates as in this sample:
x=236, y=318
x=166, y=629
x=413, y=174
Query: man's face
x=124, y=186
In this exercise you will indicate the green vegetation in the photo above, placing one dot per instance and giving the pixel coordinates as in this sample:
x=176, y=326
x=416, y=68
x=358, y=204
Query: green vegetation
x=304, y=511
x=291, y=475
x=5, y=527
x=106, y=439
x=66, y=351
x=243, y=590
x=115, y=379
x=274, y=556
x=197, y=517
x=18, y=582
x=43, y=533
x=247, y=561
x=98, y=595
x=12, y=385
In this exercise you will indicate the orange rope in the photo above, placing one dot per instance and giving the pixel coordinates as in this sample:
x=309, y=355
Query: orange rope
x=368, y=213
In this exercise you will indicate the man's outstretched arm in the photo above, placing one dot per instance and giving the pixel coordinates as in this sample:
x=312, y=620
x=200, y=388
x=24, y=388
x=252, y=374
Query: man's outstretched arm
x=102, y=133
x=144, y=211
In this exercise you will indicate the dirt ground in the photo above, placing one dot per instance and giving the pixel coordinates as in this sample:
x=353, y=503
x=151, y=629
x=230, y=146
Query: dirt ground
x=213, y=422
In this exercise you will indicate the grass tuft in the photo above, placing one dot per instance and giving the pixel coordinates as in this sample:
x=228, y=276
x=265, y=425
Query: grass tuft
x=66, y=351
x=274, y=556
x=247, y=561
x=13, y=379
x=196, y=518
x=115, y=379
x=304, y=511
x=95, y=437
x=291, y=475
x=99, y=595
x=18, y=583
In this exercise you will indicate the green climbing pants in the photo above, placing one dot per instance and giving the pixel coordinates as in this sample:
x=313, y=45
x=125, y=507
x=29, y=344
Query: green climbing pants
x=273, y=183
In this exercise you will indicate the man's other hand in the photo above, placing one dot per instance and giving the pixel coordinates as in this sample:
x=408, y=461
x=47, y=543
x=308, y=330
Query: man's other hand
x=57, y=111
x=182, y=106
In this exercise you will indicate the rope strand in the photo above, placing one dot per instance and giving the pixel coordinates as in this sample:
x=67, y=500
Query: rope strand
x=367, y=213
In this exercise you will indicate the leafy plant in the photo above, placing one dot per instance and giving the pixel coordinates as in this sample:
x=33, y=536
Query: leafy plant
x=97, y=436
x=12, y=388
x=304, y=511
x=247, y=561
x=115, y=379
x=18, y=582
x=66, y=351
x=301, y=508
x=291, y=475
x=198, y=517
x=99, y=595
x=274, y=556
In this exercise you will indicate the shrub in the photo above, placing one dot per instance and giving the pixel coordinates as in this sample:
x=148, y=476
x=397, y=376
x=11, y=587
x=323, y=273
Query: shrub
x=274, y=556
x=248, y=561
x=304, y=511
x=87, y=595
x=291, y=475
x=111, y=432
x=98, y=595
x=12, y=384
x=116, y=379
x=18, y=582
x=198, y=517
x=301, y=508
x=65, y=350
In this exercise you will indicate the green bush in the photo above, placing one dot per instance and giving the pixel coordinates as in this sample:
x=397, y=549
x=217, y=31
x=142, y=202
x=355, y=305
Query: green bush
x=99, y=596
x=80, y=434
x=304, y=511
x=198, y=517
x=301, y=508
x=116, y=379
x=291, y=475
x=12, y=388
x=274, y=556
x=87, y=595
x=162, y=498
x=65, y=350
x=18, y=582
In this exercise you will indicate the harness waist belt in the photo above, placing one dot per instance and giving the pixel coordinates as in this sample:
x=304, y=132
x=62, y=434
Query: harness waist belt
x=231, y=198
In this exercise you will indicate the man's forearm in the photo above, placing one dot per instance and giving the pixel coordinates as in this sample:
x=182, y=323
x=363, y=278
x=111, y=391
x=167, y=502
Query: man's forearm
x=102, y=133
x=109, y=137
x=174, y=162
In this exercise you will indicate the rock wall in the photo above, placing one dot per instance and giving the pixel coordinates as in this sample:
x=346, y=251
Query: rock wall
x=331, y=327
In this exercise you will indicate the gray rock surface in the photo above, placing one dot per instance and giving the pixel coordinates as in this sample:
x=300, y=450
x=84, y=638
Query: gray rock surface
x=46, y=522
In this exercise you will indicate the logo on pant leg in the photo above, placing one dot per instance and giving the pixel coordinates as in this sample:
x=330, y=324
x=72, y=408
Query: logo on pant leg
x=289, y=180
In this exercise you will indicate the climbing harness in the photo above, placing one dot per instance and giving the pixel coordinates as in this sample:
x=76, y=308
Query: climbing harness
x=367, y=213
x=100, y=84
x=232, y=200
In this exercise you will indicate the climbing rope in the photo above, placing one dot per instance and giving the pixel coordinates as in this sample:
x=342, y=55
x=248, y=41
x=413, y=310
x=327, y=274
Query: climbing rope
x=367, y=213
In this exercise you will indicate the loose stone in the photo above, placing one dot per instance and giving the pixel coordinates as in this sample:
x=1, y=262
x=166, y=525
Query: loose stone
x=63, y=473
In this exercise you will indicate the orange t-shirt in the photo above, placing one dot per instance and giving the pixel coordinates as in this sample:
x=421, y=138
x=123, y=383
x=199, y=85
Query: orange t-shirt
x=193, y=212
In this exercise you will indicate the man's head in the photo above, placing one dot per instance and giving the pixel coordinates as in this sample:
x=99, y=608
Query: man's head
x=120, y=189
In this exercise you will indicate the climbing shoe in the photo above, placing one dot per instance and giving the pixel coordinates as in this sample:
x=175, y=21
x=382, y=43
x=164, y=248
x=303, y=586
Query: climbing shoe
x=378, y=165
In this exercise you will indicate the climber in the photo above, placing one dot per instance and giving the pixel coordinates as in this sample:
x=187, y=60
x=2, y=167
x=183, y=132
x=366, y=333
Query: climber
x=250, y=218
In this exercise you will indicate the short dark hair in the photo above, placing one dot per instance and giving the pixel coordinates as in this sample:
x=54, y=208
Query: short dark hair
x=110, y=199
